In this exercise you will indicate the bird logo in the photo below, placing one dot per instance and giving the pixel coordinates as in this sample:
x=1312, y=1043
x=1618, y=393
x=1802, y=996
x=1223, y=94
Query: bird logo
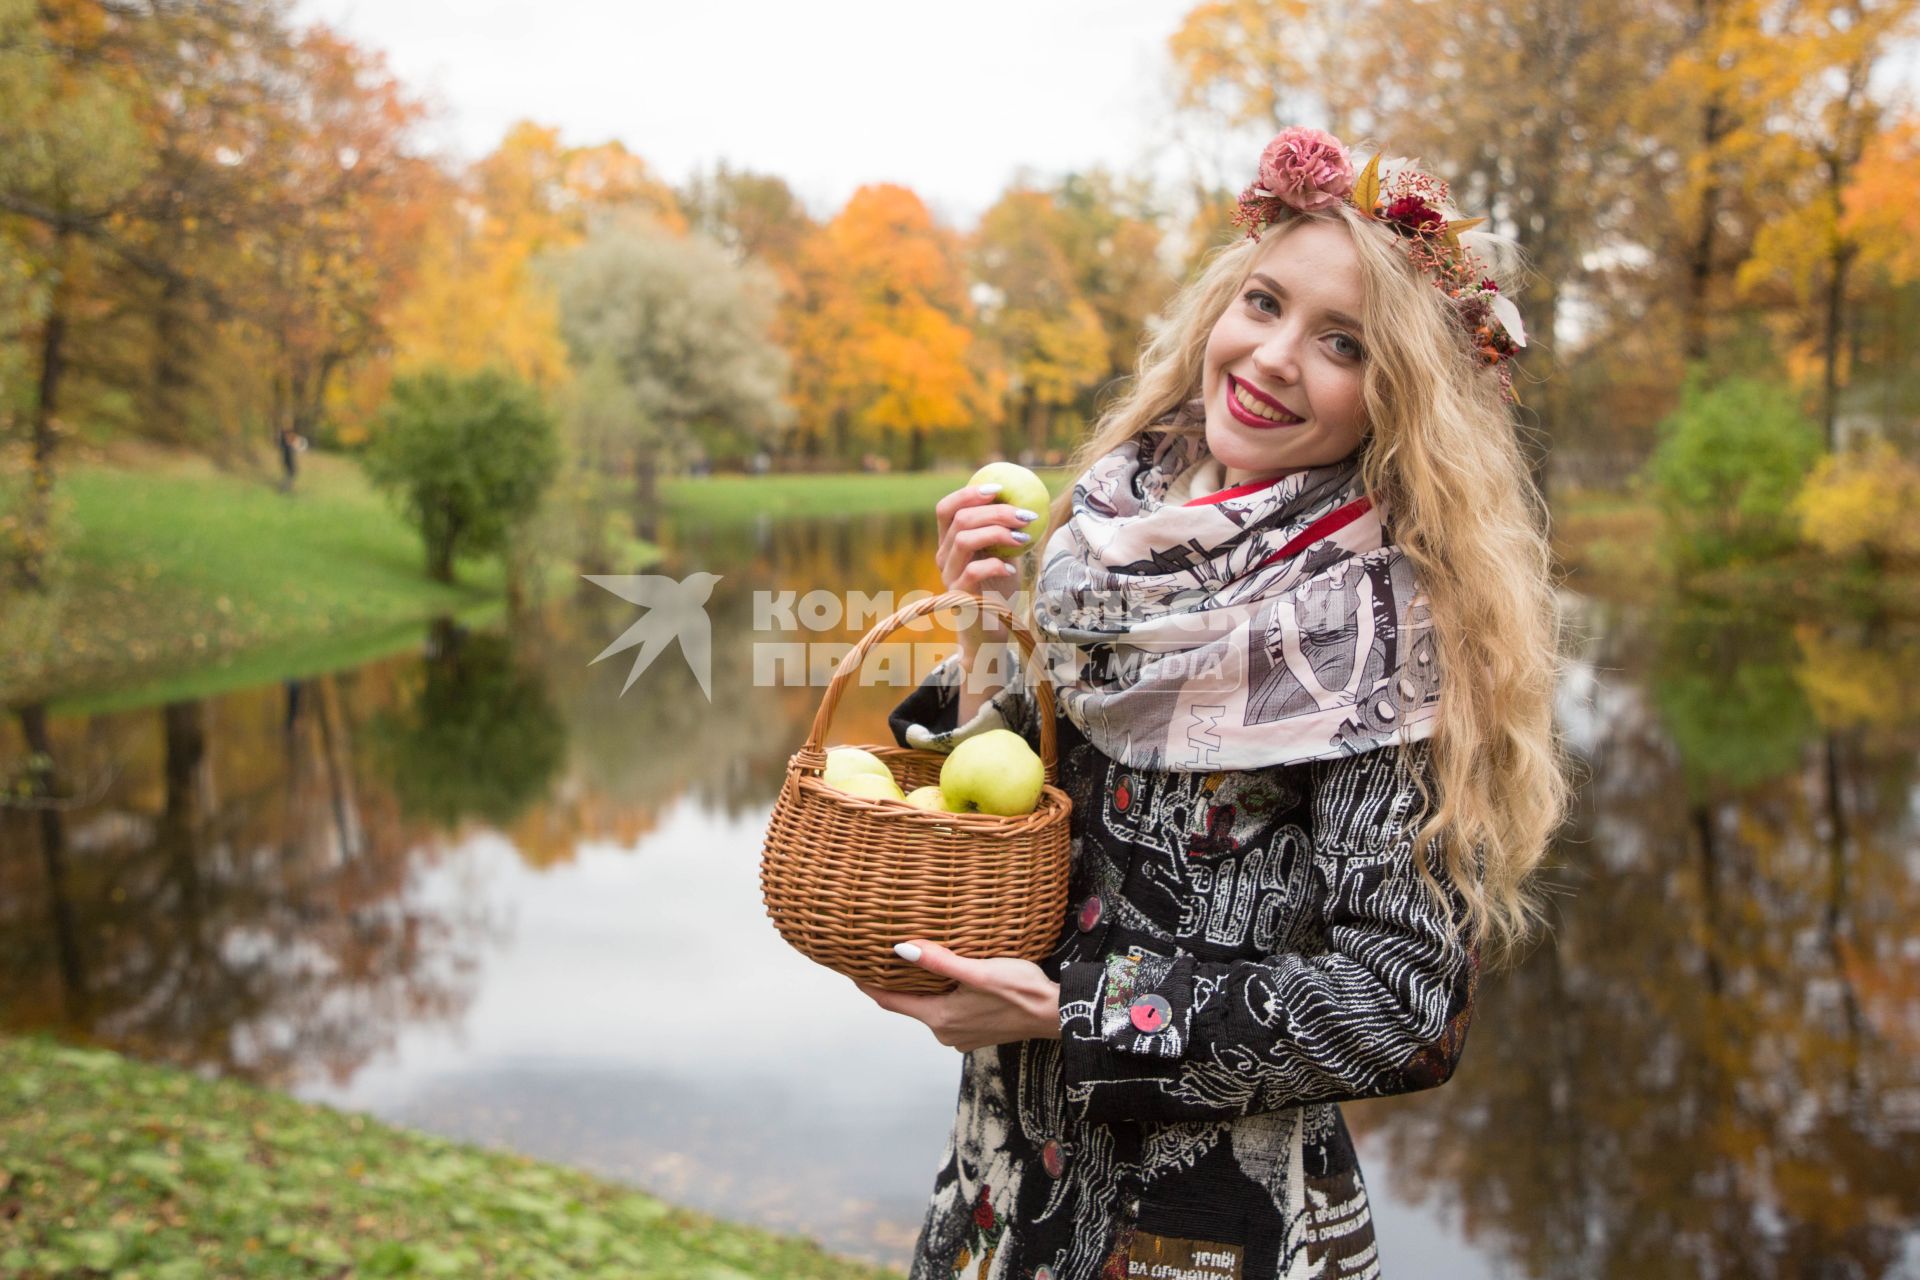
x=674, y=611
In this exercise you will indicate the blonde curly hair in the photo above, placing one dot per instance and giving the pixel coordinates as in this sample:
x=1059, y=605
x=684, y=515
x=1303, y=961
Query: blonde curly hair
x=1442, y=460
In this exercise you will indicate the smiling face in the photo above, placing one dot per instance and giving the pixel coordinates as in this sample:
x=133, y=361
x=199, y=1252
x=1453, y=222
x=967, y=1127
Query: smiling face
x=1284, y=362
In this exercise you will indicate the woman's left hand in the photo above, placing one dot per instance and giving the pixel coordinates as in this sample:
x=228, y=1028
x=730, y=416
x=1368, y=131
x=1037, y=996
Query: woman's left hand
x=998, y=1001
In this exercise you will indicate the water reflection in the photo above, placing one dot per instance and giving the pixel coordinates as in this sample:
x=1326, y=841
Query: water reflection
x=473, y=888
x=234, y=899
x=1714, y=1070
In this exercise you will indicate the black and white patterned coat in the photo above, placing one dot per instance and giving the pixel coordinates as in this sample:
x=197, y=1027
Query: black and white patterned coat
x=1242, y=951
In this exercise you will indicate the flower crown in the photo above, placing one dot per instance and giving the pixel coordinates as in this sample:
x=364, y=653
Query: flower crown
x=1304, y=169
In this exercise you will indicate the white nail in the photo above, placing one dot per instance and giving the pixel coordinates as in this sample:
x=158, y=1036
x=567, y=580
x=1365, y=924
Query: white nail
x=988, y=490
x=906, y=951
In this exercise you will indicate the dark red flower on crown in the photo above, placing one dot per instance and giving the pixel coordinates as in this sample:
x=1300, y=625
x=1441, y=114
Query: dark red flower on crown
x=1416, y=215
x=983, y=1212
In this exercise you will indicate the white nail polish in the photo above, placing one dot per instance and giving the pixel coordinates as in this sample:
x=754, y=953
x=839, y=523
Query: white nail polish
x=906, y=951
x=988, y=490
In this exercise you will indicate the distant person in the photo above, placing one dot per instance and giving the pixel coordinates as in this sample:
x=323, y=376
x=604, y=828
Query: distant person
x=292, y=445
x=1310, y=515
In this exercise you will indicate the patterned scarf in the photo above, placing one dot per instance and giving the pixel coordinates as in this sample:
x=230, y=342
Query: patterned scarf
x=1268, y=623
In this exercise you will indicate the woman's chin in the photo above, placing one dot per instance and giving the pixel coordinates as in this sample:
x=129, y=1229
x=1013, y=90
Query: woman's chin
x=1231, y=445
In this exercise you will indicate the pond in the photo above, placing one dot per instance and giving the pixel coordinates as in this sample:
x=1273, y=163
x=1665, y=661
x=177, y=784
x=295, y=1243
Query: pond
x=476, y=889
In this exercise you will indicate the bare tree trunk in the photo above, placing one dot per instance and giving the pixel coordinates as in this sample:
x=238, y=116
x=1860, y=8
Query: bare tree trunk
x=1714, y=126
x=31, y=563
x=646, y=495
x=1834, y=325
x=1039, y=419
x=1700, y=816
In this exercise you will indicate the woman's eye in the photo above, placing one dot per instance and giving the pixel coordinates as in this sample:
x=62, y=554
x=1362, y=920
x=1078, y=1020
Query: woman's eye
x=1256, y=295
x=1356, y=352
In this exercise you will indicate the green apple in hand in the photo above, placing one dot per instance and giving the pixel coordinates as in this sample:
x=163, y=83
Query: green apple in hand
x=868, y=787
x=933, y=800
x=1022, y=488
x=993, y=772
x=847, y=762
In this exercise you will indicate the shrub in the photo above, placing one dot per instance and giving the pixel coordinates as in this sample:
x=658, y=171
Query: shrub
x=1728, y=465
x=1862, y=503
x=467, y=457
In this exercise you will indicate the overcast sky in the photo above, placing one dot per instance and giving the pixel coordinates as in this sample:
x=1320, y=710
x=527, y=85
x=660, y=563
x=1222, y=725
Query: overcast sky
x=948, y=100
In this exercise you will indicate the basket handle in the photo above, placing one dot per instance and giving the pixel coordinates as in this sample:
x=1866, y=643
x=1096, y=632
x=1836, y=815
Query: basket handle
x=849, y=665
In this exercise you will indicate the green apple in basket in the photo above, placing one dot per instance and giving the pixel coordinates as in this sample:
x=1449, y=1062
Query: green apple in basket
x=850, y=762
x=993, y=772
x=933, y=800
x=868, y=787
x=1022, y=488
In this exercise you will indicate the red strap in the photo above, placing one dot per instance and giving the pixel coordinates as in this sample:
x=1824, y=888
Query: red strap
x=1338, y=518
x=1240, y=490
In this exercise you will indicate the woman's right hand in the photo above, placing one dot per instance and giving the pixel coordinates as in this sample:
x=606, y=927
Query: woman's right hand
x=970, y=520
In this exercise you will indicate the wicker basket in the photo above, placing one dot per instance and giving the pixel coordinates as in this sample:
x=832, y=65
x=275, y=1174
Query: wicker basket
x=844, y=878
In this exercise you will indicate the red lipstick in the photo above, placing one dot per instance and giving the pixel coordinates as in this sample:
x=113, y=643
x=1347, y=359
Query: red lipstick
x=1242, y=415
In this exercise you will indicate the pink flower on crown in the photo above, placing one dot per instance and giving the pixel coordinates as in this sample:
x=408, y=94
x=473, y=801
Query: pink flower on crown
x=1306, y=168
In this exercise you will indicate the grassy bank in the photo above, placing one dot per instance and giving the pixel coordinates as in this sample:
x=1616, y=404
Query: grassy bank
x=1608, y=542
x=179, y=579
x=730, y=498
x=110, y=1167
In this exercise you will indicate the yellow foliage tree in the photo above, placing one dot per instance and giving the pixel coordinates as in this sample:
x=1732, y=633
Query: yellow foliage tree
x=478, y=301
x=1044, y=330
x=1862, y=501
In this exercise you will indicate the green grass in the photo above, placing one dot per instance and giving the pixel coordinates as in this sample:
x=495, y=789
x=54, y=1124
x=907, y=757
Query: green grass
x=724, y=499
x=110, y=1167
x=178, y=579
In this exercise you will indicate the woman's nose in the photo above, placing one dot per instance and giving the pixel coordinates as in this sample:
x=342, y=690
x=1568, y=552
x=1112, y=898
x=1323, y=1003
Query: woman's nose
x=1275, y=358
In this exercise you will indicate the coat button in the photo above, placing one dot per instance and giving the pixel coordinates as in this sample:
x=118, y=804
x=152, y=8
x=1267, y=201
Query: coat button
x=1090, y=913
x=1053, y=1159
x=1149, y=1013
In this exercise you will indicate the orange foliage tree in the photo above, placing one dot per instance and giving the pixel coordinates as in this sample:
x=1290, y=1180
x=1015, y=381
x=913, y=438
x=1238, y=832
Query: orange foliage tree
x=883, y=349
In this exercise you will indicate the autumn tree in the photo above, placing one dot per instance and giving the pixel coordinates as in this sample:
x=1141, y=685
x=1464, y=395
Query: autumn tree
x=757, y=218
x=338, y=239
x=1116, y=247
x=686, y=328
x=71, y=159
x=1824, y=56
x=1047, y=334
x=214, y=212
x=479, y=300
x=884, y=346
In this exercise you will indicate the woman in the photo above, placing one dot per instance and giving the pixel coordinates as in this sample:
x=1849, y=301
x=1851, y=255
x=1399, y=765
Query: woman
x=1299, y=616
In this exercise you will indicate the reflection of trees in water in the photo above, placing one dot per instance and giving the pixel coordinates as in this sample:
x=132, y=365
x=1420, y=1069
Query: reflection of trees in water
x=1711, y=1070
x=239, y=893
x=663, y=739
x=477, y=738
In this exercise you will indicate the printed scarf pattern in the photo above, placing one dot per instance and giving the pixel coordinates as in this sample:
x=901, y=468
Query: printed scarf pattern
x=1262, y=624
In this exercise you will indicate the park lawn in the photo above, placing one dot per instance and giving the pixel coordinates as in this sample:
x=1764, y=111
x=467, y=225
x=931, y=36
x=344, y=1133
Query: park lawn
x=729, y=498
x=112, y=1167
x=179, y=579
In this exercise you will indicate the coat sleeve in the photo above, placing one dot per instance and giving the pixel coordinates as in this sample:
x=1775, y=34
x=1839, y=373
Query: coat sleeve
x=927, y=717
x=1383, y=1009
